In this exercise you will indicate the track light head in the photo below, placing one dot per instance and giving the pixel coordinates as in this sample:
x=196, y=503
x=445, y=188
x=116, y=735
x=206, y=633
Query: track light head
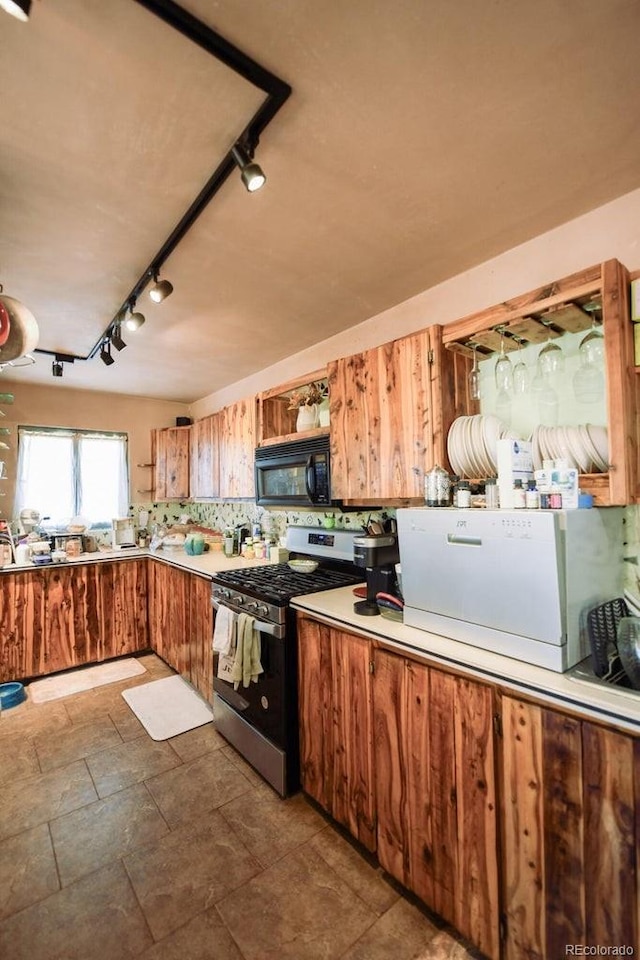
x=160, y=290
x=57, y=368
x=17, y=8
x=116, y=337
x=134, y=321
x=105, y=353
x=251, y=173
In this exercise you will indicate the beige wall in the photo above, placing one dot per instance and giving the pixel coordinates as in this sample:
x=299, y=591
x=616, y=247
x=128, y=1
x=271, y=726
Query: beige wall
x=609, y=231
x=37, y=405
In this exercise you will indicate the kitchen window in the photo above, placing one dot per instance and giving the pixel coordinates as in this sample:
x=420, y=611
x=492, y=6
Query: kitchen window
x=72, y=473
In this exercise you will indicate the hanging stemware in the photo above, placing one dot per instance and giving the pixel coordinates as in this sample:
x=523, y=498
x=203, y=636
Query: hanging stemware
x=520, y=372
x=591, y=349
x=503, y=370
x=474, y=375
x=551, y=357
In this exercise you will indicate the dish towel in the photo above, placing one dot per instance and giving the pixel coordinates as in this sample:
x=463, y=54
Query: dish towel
x=223, y=630
x=246, y=665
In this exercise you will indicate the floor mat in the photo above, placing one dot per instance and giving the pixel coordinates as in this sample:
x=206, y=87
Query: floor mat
x=168, y=707
x=84, y=678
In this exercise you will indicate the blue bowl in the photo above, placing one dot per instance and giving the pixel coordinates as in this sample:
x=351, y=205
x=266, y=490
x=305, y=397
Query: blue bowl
x=11, y=694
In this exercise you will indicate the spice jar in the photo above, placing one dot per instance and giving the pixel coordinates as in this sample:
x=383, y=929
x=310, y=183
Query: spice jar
x=463, y=494
x=491, y=498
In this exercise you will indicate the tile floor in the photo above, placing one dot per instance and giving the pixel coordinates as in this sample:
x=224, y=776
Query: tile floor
x=115, y=846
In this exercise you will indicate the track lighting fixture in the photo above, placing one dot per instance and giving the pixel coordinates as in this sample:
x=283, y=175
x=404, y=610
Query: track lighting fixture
x=56, y=368
x=17, y=8
x=105, y=352
x=116, y=337
x=134, y=320
x=160, y=290
x=252, y=175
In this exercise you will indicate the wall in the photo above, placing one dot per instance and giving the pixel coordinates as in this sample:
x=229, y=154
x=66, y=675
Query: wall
x=37, y=405
x=608, y=232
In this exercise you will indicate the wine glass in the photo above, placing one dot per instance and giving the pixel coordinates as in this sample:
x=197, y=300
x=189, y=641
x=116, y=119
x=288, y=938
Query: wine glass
x=520, y=373
x=591, y=347
x=550, y=358
x=503, y=370
x=474, y=375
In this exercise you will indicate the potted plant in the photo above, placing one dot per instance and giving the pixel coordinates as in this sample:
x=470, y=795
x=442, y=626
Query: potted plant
x=306, y=402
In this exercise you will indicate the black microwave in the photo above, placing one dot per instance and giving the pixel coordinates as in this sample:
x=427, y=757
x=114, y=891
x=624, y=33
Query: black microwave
x=294, y=474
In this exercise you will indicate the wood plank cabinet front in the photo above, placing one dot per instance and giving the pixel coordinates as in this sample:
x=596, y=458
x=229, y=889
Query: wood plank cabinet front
x=237, y=450
x=201, y=636
x=169, y=615
x=170, y=448
x=436, y=792
x=336, y=725
x=571, y=843
x=204, y=455
x=383, y=425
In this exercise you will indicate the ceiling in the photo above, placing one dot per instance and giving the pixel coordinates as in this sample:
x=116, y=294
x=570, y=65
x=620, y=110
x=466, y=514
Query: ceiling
x=420, y=139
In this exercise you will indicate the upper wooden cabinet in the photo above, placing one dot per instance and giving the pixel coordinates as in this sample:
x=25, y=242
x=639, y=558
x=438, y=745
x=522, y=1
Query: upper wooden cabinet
x=204, y=455
x=170, y=453
x=237, y=446
x=560, y=311
x=385, y=430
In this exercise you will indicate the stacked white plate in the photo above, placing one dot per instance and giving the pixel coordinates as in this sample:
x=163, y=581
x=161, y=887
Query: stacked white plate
x=472, y=445
x=585, y=447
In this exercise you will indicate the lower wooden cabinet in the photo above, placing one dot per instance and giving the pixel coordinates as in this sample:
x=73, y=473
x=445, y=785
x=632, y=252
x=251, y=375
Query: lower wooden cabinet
x=64, y=616
x=336, y=725
x=571, y=835
x=181, y=623
x=435, y=792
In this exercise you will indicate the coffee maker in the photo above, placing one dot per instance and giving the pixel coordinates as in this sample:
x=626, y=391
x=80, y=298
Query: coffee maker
x=379, y=555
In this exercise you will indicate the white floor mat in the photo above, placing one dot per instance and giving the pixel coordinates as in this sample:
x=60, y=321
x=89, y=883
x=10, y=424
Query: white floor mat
x=168, y=707
x=84, y=678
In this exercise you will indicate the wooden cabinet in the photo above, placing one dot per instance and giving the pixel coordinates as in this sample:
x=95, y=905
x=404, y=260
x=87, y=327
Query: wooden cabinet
x=201, y=636
x=237, y=445
x=277, y=420
x=571, y=833
x=65, y=616
x=436, y=792
x=170, y=454
x=181, y=623
x=385, y=431
x=563, y=307
x=336, y=725
x=204, y=458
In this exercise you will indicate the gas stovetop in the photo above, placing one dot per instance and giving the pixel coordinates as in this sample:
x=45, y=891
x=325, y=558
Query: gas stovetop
x=278, y=583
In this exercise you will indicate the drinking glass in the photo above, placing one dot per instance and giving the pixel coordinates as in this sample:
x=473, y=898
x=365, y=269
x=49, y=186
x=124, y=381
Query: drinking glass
x=520, y=374
x=591, y=347
x=550, y=358
x=503, y=370
x=474, y=376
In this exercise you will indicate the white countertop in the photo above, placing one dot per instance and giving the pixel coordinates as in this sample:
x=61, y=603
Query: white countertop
x=606, y=703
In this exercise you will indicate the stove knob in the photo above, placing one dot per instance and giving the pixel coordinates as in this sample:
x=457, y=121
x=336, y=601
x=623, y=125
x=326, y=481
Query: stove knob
x=239, y=600
x=222, y=592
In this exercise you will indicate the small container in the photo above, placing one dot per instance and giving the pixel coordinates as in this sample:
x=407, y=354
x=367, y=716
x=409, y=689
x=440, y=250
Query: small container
x=437, y=487
x=491, y=497
x=544, y=501
x=555, y=500
x=256, y=531
x=74, y=547
x=248, y=551
x=519, y=499
x=258, y=549
x=463, y=495
x=532, y=497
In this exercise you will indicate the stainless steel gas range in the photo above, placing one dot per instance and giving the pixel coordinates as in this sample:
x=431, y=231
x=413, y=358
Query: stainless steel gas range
x=261, y=718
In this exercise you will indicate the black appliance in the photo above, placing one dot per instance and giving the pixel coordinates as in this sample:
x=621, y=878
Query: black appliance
x=294, y=474
x=378, y=555
x=261, y=720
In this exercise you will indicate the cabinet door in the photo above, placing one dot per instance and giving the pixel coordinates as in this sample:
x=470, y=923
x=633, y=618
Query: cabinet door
x=21, y=625
x=237, y=449
x=571, y=833
x=123, y=605
x=171, y=453
x=205, y=439
x=435, y=792
x=381, y=426
x=169, y=616
x=201, y=636
x=336, y=725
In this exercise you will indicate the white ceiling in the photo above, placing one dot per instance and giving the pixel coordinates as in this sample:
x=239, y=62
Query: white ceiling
x=421, y=138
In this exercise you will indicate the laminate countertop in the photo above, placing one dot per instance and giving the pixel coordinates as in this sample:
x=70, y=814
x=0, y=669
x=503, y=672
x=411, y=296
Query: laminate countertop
x=206, y=564
x=592, y=699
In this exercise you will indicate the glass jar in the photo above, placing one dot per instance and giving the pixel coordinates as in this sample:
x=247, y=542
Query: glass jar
x=463, y=495
x=437, y=487
x=491, y=497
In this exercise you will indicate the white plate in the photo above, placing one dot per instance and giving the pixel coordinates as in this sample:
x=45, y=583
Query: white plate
x=600, y=439
x=591, y=451
x=580, y=454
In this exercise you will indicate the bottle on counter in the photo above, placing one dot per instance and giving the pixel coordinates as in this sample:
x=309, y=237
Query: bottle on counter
x=492, y=500
x=519, y=500
x=532, y=497
x=248, y=551
x=437, y=487
x=463, y=494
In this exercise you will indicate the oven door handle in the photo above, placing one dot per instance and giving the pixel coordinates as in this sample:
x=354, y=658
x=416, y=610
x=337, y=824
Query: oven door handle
x=262, y=626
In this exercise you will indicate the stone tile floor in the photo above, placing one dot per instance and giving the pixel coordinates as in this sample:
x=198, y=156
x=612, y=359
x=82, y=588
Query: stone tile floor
x=114, y=846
